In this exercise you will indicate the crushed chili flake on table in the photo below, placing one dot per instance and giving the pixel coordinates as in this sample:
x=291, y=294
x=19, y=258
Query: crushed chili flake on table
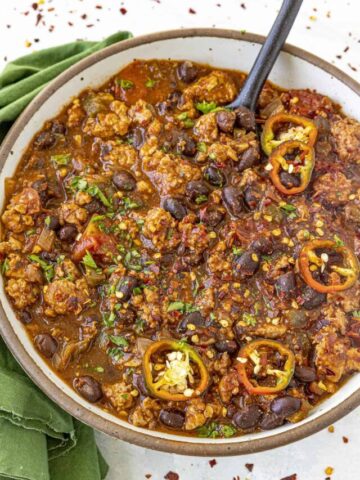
x=191, y=10
x=172, y=476
x=123, y=11
x=148, y=475
x=290, y=477
x=212, y=463
x=249, y=466
x=345, y=439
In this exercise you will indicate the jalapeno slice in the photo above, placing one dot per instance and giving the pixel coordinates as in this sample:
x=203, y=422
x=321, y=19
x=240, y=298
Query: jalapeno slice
x=296, y=159
x=174, y=371
x=254, y=363
x=304, y=130
x=311, y=260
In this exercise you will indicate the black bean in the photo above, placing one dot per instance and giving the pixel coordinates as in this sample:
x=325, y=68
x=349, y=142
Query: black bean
x=212, y=215
x=172, y=418
x=226, y=120
x=46, y=344
x=53, y=222
x=286, y=284
x=229, y=346
x=245, y=118
x=126, y=286
x=88, y=387
x=49, y=256
x=214, y=176
x=139, y=384
x=263, y=245
x=285, y=406
x=124, y=180
x=45, y=140
x=186, y=145
x=193, y=318
x=305, y=374
x=187, y=71
x=252, y=196
x=25, y=317
x=41, y=186
x=68, y=233
x=246, y=265
x=312, y=298
x=248, y=159
x=196, y=190
x=175, y=207
x=248, y=417
x=270, y=421
x=289, y=180
x=233, y=200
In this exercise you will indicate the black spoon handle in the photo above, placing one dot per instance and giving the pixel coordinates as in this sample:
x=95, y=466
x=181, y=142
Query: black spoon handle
x=267, y=55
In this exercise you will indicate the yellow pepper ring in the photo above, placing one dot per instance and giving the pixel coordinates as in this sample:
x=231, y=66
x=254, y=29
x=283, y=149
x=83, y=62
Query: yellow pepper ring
x=268, y=141
x=174, y=345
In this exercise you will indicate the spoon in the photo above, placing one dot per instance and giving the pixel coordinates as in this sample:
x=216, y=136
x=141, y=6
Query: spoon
x=267, y=56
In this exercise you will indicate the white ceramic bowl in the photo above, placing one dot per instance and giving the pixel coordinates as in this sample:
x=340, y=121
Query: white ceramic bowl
x=220, y=48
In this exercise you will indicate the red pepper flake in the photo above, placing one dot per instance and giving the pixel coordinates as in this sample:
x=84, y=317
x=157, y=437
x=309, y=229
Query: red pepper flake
x=171, y=476
x=346, y=49
x=50, y=9
x=212, y=463
x=84, y=16
x=290, y=477
x=51, y=28
x=89, y=25
x=38, y=19
x=123, y=11
x=70, y=24
x=34, y=6
x=249, y=466
x=345, y=439
x=192, y=11
x=242, y=5
x=339, y=57
x=148, y=475
x=99, y=7
x=354, y=69
x=236, y=478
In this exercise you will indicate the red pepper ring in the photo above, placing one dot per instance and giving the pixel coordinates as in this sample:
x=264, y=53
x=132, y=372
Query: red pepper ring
x=155, y=388
x=308, y=256
x=250, y=353
x=279, y=163
x=268, y=141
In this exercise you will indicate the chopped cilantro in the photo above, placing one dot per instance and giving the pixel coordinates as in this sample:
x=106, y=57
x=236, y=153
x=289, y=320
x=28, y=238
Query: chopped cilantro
x=81, y=185
x=109, y=319
x=125, y=84
x=88, y=261
x=356, y=313
x=188, y=123
x=201, y=147
x=249, y=319
x=139, y=325
x=237, y=250
x=61, y=159
x=338, y=241
x=47, y=221
x=201, y=199
x=206, y=107
x=119, y=340
x=214, y=430
x=116, y=353
x=150, y=83
x=99, y=369
x=47, y=268
x=5, y=266
x=182, y=116
x=289, y=210
x=181, y=307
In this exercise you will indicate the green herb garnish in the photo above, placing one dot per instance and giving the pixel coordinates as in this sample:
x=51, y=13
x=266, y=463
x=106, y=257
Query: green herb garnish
x=47, y=268
x=89, y=261
x=206, y=107
x=150, y=83
x=61, y=159
x=119, y=340
x=125, y=84
x=181, y=307
x=201, y=199
x=338, y=241
x=249, y=319
x=214, y=430
x=201, y=147
x=81, y=185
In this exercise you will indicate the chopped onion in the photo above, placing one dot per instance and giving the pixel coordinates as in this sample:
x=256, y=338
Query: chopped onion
x=272, y=108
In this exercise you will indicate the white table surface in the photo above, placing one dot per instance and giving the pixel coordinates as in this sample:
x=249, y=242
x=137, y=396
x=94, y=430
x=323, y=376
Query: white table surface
x=327, y=28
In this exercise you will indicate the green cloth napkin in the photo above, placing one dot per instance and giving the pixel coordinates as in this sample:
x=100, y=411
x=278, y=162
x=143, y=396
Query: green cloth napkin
x=38, y=440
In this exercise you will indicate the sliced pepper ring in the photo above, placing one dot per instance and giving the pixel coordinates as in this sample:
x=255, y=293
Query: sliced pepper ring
x=155, y=387
x=250, y=353
x=304, y=167
x=308, y=134
x=308, y=257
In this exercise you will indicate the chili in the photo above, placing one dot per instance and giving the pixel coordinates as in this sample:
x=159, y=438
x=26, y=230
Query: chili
x=308, y=134
x=309, y=257
x=256, y=352
x=166, y=383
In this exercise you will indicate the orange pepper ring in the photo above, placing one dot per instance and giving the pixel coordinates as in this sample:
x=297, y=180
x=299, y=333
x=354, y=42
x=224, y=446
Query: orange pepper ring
x=276, y=160
x=350, y=259
x=268, y=133
x=162, y=345
x=289, y=366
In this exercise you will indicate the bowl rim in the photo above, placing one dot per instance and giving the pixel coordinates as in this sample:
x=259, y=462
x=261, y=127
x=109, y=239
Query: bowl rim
x=50, y=388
